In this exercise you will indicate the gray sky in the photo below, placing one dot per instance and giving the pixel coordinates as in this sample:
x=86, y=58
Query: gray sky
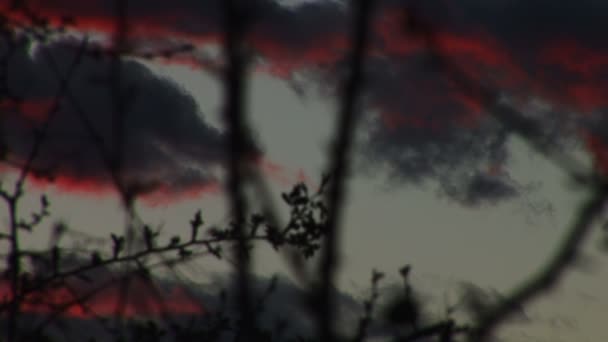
x=496, y=246
x=419, y=207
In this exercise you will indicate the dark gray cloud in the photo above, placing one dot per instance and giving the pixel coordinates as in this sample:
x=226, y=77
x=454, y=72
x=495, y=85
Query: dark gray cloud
x=278, y=30
x=421, y=134
x=427, y=129
x=424, y=127
x=167, y=142
x=523, y=23
x=285, y=305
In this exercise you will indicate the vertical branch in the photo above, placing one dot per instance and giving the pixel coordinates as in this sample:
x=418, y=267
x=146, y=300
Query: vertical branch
x=119, y=116
x=14, y=261
x=340, y=164
x=119, y=113
x=235, y=23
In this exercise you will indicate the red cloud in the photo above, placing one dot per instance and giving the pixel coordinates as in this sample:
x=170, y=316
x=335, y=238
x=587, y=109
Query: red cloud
x=599, y=152
x=281, y=174
x=160, y=194
x=142, y=299
x=587, y=97
x=163, y=195
x=564, y=72
x=391, y=38
x=73, y=185
x=157, y=195
x=574, y=57
x=576, y=75
x=35, y=110
x=282, y=61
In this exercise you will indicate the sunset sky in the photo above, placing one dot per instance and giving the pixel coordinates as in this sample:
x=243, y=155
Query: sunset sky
x=437, y=182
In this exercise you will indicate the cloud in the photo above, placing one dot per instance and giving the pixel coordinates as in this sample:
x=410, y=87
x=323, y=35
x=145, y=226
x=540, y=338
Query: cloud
x=96, y=293
x=282, y=34
x=428, y=128
x=421, y=125
x=168, y=145
x=195, y=305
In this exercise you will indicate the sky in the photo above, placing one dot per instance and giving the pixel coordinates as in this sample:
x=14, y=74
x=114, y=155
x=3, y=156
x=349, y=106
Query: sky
x=437, y=182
